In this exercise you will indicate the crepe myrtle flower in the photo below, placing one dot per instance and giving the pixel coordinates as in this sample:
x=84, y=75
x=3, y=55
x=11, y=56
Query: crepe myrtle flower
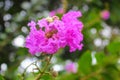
x=71, y=67
x=105, y=14
x=54, y=34
x=58, y=11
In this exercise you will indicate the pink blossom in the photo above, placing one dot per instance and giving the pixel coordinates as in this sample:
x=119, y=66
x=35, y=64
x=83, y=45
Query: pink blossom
x=58, y=11
x=105, y=14
x=71, y=67
x=73, y=35
x=55, y=34
x=53, y=13
x=44, y=40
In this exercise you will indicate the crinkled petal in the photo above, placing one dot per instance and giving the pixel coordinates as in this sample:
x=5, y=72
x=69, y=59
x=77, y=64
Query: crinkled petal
x=42, y=23
x=32, y=25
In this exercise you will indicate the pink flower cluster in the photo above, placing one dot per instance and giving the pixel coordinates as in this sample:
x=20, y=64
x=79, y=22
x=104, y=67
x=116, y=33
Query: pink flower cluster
x=54, y=34
x=105, y=14
x=71, y=67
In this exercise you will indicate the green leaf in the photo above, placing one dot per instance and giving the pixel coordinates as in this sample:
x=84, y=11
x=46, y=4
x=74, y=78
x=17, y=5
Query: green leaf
x=85, y=63
x=106, y=76
x=100, y=58
x=67, y=77
x=1, y=77
x=22, y=51
x=104, y=60
x=114, y=47
x=47, y=77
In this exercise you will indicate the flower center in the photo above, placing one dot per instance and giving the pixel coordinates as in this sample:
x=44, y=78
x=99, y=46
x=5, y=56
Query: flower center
x=51, y=19
x=49, y=34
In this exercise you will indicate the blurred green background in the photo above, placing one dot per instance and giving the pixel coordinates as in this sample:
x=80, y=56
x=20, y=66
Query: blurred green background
x=99, y=59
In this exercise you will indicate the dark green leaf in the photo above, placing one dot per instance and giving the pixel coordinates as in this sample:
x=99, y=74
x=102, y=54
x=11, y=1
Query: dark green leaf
x=100, y=57
x=85, y=63
x=47, y=77
x=114, y=47
x=1, y=77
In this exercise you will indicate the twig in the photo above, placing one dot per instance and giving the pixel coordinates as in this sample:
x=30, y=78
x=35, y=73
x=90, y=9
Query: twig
x=23, y=74
x=47, y=64
x=65, y=5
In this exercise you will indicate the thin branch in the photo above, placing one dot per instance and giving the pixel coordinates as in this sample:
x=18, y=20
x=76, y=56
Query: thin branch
x=47, y=64
x=23, y=74
x=64, y=5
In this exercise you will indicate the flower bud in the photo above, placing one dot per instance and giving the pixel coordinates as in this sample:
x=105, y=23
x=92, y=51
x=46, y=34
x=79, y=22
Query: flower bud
x=49, y=19
x=71, y=67
x=54, y=73
x=105, y=14
x=47, y=59
x=55, y=17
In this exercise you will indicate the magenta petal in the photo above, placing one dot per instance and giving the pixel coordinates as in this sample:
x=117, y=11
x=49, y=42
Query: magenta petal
x=56, y=34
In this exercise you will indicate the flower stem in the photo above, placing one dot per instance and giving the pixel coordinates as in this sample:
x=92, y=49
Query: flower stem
x=23, y=74
x=64, y=5
x=44, y=69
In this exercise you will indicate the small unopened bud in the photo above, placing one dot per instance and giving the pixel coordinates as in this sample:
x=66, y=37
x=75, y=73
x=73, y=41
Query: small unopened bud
x=55, y=17
x=47, y=59
x=54, y=73
x=49, y=19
